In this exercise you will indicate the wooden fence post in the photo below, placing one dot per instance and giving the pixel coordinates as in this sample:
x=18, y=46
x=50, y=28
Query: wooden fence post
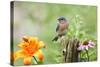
x=71, y=54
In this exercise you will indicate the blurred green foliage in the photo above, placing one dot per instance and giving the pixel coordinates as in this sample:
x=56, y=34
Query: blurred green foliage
x=40, y=20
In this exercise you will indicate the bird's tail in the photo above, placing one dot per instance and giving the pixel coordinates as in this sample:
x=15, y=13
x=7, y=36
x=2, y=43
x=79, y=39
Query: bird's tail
x=55, y=38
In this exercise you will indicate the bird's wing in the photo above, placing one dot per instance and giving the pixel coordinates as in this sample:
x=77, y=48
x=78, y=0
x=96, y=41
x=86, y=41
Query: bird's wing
x=57, y=28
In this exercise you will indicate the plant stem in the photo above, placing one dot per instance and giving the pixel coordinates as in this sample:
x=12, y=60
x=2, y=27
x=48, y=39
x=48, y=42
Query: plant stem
x=35, y=59
x=80, y=55
x=87, y=54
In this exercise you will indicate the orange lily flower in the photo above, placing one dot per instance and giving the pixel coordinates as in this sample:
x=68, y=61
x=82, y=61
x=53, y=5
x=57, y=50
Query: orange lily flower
x=30, y=47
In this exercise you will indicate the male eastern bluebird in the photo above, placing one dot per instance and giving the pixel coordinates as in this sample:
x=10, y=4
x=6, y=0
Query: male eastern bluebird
x=62, y=28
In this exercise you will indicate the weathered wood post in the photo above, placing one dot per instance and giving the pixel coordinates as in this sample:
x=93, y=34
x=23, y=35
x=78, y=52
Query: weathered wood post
x=70, y=50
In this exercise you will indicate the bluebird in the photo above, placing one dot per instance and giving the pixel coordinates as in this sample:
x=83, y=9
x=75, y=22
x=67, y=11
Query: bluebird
x=61, y=28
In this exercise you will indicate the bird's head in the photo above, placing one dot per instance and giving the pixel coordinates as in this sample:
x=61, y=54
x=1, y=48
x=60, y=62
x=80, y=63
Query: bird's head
x=62, y=20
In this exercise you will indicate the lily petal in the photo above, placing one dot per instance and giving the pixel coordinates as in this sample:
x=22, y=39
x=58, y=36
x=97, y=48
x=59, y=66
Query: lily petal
x=41, y=44
x=27, y=60
x=23, y=45
x=39, y=54
x=18, y=54
x=33, y=42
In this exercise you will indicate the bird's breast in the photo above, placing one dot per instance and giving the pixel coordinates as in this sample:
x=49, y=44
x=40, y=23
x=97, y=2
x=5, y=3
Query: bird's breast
x=63, y=27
